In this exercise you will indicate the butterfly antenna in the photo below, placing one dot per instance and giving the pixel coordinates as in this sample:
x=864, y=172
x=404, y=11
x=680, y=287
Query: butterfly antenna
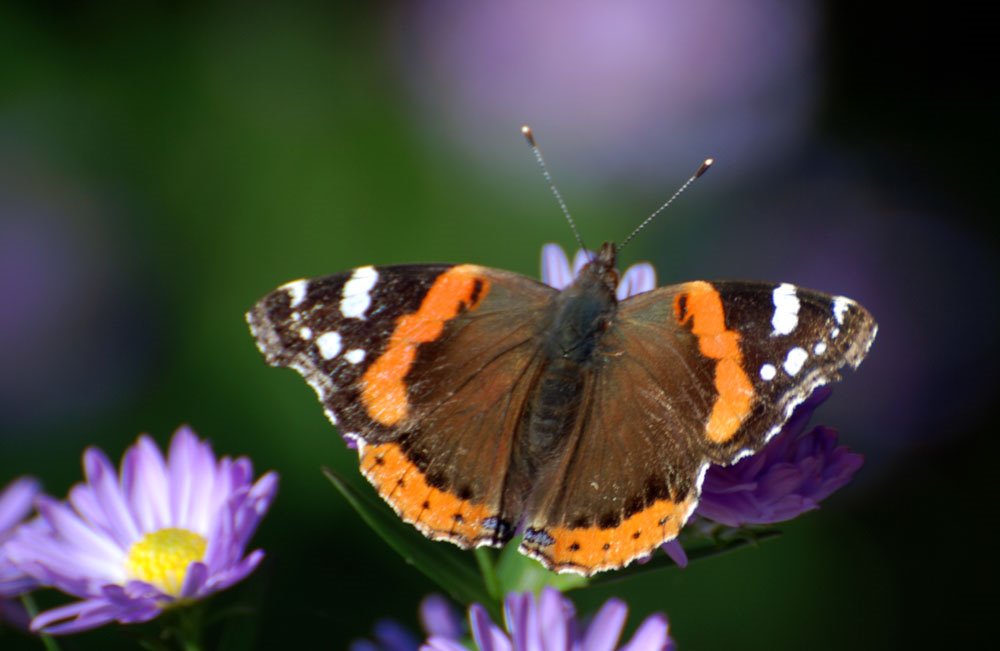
x=530, y=137
x=701, y=170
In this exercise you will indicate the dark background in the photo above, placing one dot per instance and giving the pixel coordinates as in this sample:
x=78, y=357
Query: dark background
x=163, y=166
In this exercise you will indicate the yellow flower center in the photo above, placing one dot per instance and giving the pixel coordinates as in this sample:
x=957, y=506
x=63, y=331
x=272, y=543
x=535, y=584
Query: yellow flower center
x=161, y=558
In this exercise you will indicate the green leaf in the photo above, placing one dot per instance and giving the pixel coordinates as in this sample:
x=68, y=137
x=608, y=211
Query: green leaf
x=455, y=571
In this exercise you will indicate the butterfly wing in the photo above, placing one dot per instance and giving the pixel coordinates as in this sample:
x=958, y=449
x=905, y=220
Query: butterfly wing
x=428, y=367
x=686, y=376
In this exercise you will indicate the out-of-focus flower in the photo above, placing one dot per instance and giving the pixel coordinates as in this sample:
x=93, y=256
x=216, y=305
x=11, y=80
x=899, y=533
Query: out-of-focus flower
x=557, y=271
x=787, y=477
x=548, y=623
x=438, y=618
x=792, y=474
x=59, y=255
x=163, y=533
x=16, y=503
x=612, y=86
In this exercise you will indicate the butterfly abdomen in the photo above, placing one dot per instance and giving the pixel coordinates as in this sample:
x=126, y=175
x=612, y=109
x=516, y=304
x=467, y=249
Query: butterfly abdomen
x=580, y=316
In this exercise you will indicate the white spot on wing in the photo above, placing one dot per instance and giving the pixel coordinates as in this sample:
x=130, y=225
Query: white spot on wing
x=296, y=291
x=820, y=347
x=329, y=344
x=786, y=309
x=834, y=333
x=355, y=356
x=840, y=305
x=356, y=296
x=306, y=332
x=767, y=372
x=794, y=361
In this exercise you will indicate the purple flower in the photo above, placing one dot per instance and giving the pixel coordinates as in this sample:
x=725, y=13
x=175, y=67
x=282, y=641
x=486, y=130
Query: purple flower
x=160, y=534
x=16, y=502
x=557, y=272
x=438, y=618
x=787, y=477
x=548, y=623
x=620, y=82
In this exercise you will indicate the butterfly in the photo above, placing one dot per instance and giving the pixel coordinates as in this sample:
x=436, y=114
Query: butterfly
x=484, y=403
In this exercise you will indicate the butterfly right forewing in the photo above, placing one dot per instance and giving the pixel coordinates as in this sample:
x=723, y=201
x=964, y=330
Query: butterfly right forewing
x=680, y=381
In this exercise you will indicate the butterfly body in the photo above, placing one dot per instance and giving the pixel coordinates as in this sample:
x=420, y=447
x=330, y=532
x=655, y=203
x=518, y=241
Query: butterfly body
x=484, y=402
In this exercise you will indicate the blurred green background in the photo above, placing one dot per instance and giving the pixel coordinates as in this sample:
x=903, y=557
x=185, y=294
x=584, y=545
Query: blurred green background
x=163, y=165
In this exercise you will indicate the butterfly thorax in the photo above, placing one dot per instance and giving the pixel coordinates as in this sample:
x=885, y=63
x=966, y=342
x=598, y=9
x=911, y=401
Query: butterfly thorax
x=580, y=316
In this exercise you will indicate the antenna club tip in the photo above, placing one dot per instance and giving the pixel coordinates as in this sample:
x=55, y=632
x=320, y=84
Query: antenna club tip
x=528, y=134
x=704, y=167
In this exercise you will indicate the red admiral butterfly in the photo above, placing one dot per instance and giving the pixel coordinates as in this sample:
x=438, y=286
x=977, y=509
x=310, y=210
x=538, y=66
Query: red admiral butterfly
x=485, y=402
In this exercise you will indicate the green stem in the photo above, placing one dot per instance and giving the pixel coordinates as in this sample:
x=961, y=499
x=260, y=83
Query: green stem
x=488, y=569
x=47, y=640
x=189, y=631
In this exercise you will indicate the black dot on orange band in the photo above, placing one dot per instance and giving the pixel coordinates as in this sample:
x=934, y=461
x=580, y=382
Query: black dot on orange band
x=636, y=535
x=606, y=546
x=426, y=504
x=574, y=547
x=457, y=517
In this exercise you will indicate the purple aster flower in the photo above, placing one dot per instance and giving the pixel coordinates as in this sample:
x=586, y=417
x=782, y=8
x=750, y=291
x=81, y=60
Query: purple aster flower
x=161, y=533
x=557, y=272
x=787, y=477
x=16, y=503
x=548, y=623
x=438, y=618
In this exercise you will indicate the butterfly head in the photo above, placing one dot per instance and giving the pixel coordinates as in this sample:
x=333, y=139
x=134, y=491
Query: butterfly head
x=602, y=267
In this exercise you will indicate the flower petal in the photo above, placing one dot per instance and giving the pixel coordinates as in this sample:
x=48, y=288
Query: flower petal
x=606, y=627
x=437, y=643
x=555, y=267
x=439, y=617
x=486, y=634
x=555, y=616
x=103, y=481
x=652, y=635
x=638, y=278
x=15, y=502
x=581, y=260
x=676, y=553
x=144, y=482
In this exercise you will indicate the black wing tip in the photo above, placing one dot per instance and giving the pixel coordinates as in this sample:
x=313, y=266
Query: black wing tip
x=863, y=336
x=264, y=333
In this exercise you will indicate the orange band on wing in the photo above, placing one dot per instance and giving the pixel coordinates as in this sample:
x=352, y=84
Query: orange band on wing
x=437, y=514
x=592, y=549
x=701, y=304
x=383, y=390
